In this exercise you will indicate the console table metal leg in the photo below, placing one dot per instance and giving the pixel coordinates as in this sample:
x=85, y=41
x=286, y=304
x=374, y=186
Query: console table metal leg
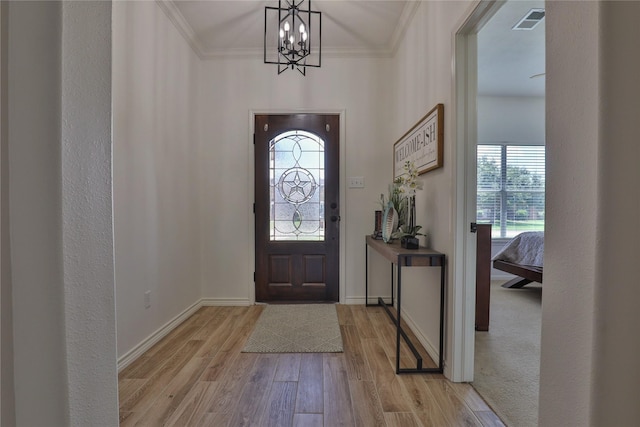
x=442, y=308
x=398, y=325
x=366, y=275
x=392, y=302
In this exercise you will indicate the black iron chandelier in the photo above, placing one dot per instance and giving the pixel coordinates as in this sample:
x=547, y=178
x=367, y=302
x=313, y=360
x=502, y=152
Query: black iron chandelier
x=292, y=35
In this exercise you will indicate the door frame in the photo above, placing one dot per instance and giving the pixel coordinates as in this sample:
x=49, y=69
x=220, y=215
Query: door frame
x=341, y=189
x=465, y=92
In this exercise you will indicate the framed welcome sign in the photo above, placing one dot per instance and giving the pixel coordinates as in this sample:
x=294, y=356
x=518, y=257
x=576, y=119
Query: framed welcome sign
x=422, y=144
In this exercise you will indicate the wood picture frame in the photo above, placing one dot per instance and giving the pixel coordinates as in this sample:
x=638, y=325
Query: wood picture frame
x=422, y=144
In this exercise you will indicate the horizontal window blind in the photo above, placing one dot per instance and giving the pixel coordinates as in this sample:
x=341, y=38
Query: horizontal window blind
x=511, y=182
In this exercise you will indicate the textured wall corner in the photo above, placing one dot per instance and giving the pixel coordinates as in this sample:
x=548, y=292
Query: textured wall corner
x=87, y=233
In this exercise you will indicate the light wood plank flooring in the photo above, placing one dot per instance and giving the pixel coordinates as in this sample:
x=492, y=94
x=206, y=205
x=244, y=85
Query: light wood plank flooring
x=198, y=376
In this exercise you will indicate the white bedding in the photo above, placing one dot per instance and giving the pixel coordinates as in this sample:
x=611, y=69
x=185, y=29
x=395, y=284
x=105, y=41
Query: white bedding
x=525, y=249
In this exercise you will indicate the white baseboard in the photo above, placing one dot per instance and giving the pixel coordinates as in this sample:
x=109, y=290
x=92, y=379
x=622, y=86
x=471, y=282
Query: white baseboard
x=233, y=302
x=431, y=349
x=361, y=300
x=148, y=342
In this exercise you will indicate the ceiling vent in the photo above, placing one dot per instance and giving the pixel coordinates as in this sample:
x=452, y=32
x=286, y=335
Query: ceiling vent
x=530, y=20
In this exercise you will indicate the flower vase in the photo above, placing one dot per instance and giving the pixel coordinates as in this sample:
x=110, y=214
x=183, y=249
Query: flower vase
x=412, y=212
x=409, y=242
x=377, y=233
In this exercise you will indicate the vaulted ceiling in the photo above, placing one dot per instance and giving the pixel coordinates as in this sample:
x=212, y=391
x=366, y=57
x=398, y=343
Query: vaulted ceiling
x=221, y=27
x=507, y=59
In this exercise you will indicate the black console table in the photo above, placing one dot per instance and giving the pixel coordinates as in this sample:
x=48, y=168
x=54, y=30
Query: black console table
x=407, y=258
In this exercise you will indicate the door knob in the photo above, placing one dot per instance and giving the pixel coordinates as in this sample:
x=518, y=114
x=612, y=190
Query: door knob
x=335, y=218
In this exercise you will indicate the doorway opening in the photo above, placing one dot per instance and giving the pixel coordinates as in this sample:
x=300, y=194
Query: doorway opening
x=500, y=95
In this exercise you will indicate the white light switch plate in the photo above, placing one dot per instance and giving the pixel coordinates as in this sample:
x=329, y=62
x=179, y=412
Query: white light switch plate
x=356, y=182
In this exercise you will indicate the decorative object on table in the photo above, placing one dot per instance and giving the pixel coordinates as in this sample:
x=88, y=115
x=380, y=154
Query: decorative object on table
x=422, y=145
x=389, y=223
x=409, y=242
x=377, y=232
x=292, y=36
x=408, y=184
x=399, y=202
x=401, y=224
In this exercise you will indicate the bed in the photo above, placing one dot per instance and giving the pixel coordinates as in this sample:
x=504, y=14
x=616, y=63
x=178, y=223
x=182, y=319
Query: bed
x=522, y=256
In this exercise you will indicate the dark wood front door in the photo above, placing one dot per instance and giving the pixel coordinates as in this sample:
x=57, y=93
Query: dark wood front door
x=296, y=207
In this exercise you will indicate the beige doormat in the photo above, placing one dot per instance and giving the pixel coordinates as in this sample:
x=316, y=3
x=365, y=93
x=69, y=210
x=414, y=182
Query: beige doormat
x=296, y=328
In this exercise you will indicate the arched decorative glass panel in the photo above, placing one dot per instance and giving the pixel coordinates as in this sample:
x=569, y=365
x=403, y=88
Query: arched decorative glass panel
x=296, y=181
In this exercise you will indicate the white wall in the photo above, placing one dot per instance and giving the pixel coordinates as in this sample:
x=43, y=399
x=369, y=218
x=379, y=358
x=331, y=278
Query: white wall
x=87, y=219
x=423, y=78
x=513, y=119
x=572, y=211
x=35, y=212
x=156, y=196
x=616, y=294
x=7, y=394
x=589, y=372
x=231, y=89
x=59, y=97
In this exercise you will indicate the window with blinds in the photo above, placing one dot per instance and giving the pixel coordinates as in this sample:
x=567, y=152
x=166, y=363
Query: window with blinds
x=511, y=188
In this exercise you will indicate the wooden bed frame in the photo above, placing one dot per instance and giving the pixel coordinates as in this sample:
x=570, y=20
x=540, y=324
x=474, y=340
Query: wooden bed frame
x=527, y=273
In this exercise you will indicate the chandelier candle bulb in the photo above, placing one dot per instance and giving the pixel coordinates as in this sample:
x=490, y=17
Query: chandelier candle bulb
x=293, y=17
x=287, y=27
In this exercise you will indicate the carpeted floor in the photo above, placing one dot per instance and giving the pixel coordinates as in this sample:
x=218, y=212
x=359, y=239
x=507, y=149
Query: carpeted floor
x=296, y=328
x=507, y=362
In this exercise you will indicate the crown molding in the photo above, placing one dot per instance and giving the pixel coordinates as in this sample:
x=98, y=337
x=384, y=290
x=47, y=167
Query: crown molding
x=326, y=53
x=408, y=12
x=175, y=16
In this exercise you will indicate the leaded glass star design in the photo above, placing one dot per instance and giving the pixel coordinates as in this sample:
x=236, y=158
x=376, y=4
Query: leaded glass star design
x=297, y=185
